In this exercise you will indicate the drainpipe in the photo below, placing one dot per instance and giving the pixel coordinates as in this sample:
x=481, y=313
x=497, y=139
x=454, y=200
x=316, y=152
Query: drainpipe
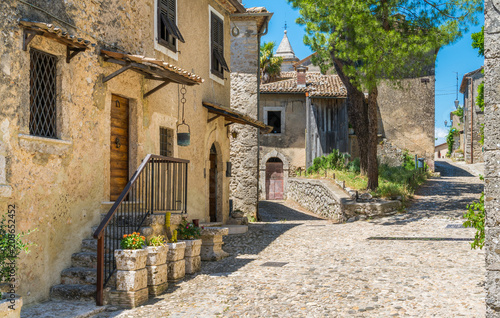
x=259, y=35
x=471, y=121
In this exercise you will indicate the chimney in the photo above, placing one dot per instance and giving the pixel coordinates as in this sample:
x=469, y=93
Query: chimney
x=301, y=76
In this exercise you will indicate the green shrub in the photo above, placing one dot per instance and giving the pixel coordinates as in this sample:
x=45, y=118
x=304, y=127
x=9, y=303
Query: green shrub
x=354, y=166
x=188, y=231
x=132, y=241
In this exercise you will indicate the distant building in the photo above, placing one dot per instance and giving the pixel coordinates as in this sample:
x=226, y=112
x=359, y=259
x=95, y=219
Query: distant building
x=473, y=117
x=441, y=151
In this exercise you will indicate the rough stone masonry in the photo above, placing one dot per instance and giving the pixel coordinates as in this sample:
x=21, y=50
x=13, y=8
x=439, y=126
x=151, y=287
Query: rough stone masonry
x=492, y=155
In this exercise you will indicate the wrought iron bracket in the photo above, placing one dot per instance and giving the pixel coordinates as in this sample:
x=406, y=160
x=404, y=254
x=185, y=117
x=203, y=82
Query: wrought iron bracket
x=165, y=83
x=28, y=35
x=72, y=52
x=213, y=118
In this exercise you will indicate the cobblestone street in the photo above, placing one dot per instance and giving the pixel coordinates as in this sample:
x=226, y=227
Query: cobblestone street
x=318, y=269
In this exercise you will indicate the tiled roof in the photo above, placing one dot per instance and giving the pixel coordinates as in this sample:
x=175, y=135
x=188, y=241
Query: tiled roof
x=55, y=32
x=463, y=85
x=179, y=72
x=317, y=85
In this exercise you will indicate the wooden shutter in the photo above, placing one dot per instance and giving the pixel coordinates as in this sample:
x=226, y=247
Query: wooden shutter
x=218, y=62
x=168, y=32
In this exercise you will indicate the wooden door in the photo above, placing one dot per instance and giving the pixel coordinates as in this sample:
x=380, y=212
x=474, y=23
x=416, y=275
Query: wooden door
x=213, y=187
x=118, y=146
x=274, y=180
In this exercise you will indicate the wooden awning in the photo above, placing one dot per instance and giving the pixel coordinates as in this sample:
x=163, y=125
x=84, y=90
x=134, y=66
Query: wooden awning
x=235, y=117
x=74, y=44
x=151, y=68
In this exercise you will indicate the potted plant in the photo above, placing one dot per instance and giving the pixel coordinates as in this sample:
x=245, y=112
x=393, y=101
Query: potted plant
x=190, y=234
x=156, y=265
x=132, y=256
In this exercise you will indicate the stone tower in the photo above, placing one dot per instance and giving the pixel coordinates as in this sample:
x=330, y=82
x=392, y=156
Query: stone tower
x=286, y=52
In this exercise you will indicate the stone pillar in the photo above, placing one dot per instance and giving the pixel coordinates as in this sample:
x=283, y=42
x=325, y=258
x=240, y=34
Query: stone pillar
x=492, y=156
x=192, y=256
x=243, y=151
x=211, y=246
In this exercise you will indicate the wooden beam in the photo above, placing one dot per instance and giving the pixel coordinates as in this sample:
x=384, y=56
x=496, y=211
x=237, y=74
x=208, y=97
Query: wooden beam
x=156, y=88
x=116, y=73
x=213, y=118
x=28, y=35
x=72, y=52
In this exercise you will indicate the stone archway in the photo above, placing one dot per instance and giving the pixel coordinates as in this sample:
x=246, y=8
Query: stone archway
x=262, y=175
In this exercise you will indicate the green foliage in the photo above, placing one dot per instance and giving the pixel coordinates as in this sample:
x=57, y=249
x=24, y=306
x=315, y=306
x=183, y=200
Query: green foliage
x=475, y=219
x=269, y=64
x=158, y=240
x=354, y=166
x=459, y=112
x=450, y=140
x=371, y=40
x=11, y=245
x=334, y=161
x=188, y=231
x=252, y=219
x=480, y=96
x=408, y=160
x=478, y=41
x=132, y=241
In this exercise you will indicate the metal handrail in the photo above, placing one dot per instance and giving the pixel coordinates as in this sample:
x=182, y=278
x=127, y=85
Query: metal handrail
x=147, y=187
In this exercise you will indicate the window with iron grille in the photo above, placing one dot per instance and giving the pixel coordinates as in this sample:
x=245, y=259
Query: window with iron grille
x=43, y=94
x=168, y=32
x=217, y=46
x=166, y=142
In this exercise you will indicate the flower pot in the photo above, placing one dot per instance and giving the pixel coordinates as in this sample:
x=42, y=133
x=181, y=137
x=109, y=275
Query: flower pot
x=131, y=260
x=157, y=255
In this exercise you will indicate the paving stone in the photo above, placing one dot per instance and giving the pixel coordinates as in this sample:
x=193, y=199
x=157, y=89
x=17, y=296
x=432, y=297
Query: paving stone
x=333, y=270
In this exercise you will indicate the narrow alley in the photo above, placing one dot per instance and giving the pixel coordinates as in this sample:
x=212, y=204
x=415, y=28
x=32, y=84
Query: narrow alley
x=293, y=264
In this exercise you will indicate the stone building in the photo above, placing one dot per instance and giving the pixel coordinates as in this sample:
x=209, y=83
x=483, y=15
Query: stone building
x=308, y=112
x=286, y=52
x=473, y=117
x=245, y=98
x=89, y=89
x=492, y=156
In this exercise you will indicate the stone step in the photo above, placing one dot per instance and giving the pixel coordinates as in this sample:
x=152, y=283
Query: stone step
x=89, y=245
x=79, y=276
x=86, y=259
x=73, y=292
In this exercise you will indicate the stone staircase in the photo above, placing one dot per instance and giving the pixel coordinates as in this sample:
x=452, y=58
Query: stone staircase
x=78, y=282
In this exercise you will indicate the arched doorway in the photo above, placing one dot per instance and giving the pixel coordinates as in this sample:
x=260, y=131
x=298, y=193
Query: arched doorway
x=213, y=184
x=274, y=179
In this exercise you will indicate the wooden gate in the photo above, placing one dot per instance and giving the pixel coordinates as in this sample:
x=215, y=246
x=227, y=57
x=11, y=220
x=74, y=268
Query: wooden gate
x=274, y=180
x=118, y=146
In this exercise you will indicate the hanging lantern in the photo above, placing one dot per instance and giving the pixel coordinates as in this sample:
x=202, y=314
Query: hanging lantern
x=183, y=138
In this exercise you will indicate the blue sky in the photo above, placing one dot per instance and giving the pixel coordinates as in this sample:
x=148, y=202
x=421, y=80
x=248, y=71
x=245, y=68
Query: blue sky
x=459, y=57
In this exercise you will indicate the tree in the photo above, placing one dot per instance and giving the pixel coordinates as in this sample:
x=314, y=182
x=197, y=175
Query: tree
x=368, y=41
x=270, y=65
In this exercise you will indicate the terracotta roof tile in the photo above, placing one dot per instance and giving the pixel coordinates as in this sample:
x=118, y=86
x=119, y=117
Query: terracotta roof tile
x=56, y=32
x=317, y=85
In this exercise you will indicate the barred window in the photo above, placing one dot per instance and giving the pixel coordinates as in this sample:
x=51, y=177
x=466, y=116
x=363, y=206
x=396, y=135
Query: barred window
x=42, y=94
x=168, y=32
x=166, y=142
x=217, y=46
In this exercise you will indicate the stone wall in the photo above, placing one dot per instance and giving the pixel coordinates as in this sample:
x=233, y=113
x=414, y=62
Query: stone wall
x=326, y=199
x=472, y=120
x=407, y=115
x=492, y=156
x=389, y=154
x=58, y=185
x=244, y=147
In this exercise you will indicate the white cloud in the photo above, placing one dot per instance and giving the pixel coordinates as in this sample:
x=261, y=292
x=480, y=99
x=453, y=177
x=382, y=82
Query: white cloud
x=441, y=133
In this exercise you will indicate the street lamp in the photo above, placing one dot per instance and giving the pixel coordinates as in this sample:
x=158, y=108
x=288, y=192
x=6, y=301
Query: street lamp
x=446, y=123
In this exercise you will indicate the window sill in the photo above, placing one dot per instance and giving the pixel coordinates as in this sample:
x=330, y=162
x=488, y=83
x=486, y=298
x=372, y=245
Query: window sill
x=44, y=145
x=217, y=79
x=162, y=49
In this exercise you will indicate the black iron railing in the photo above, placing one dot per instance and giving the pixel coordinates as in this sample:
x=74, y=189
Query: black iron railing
x=158, y=185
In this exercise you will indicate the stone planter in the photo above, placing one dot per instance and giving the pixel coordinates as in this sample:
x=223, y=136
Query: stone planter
x=192, y=256
x=211, y=246
x=157, y=255
x=131, y=278
x=10, y=307
x=130, y=260
x=175, y=261
x=157, y=269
